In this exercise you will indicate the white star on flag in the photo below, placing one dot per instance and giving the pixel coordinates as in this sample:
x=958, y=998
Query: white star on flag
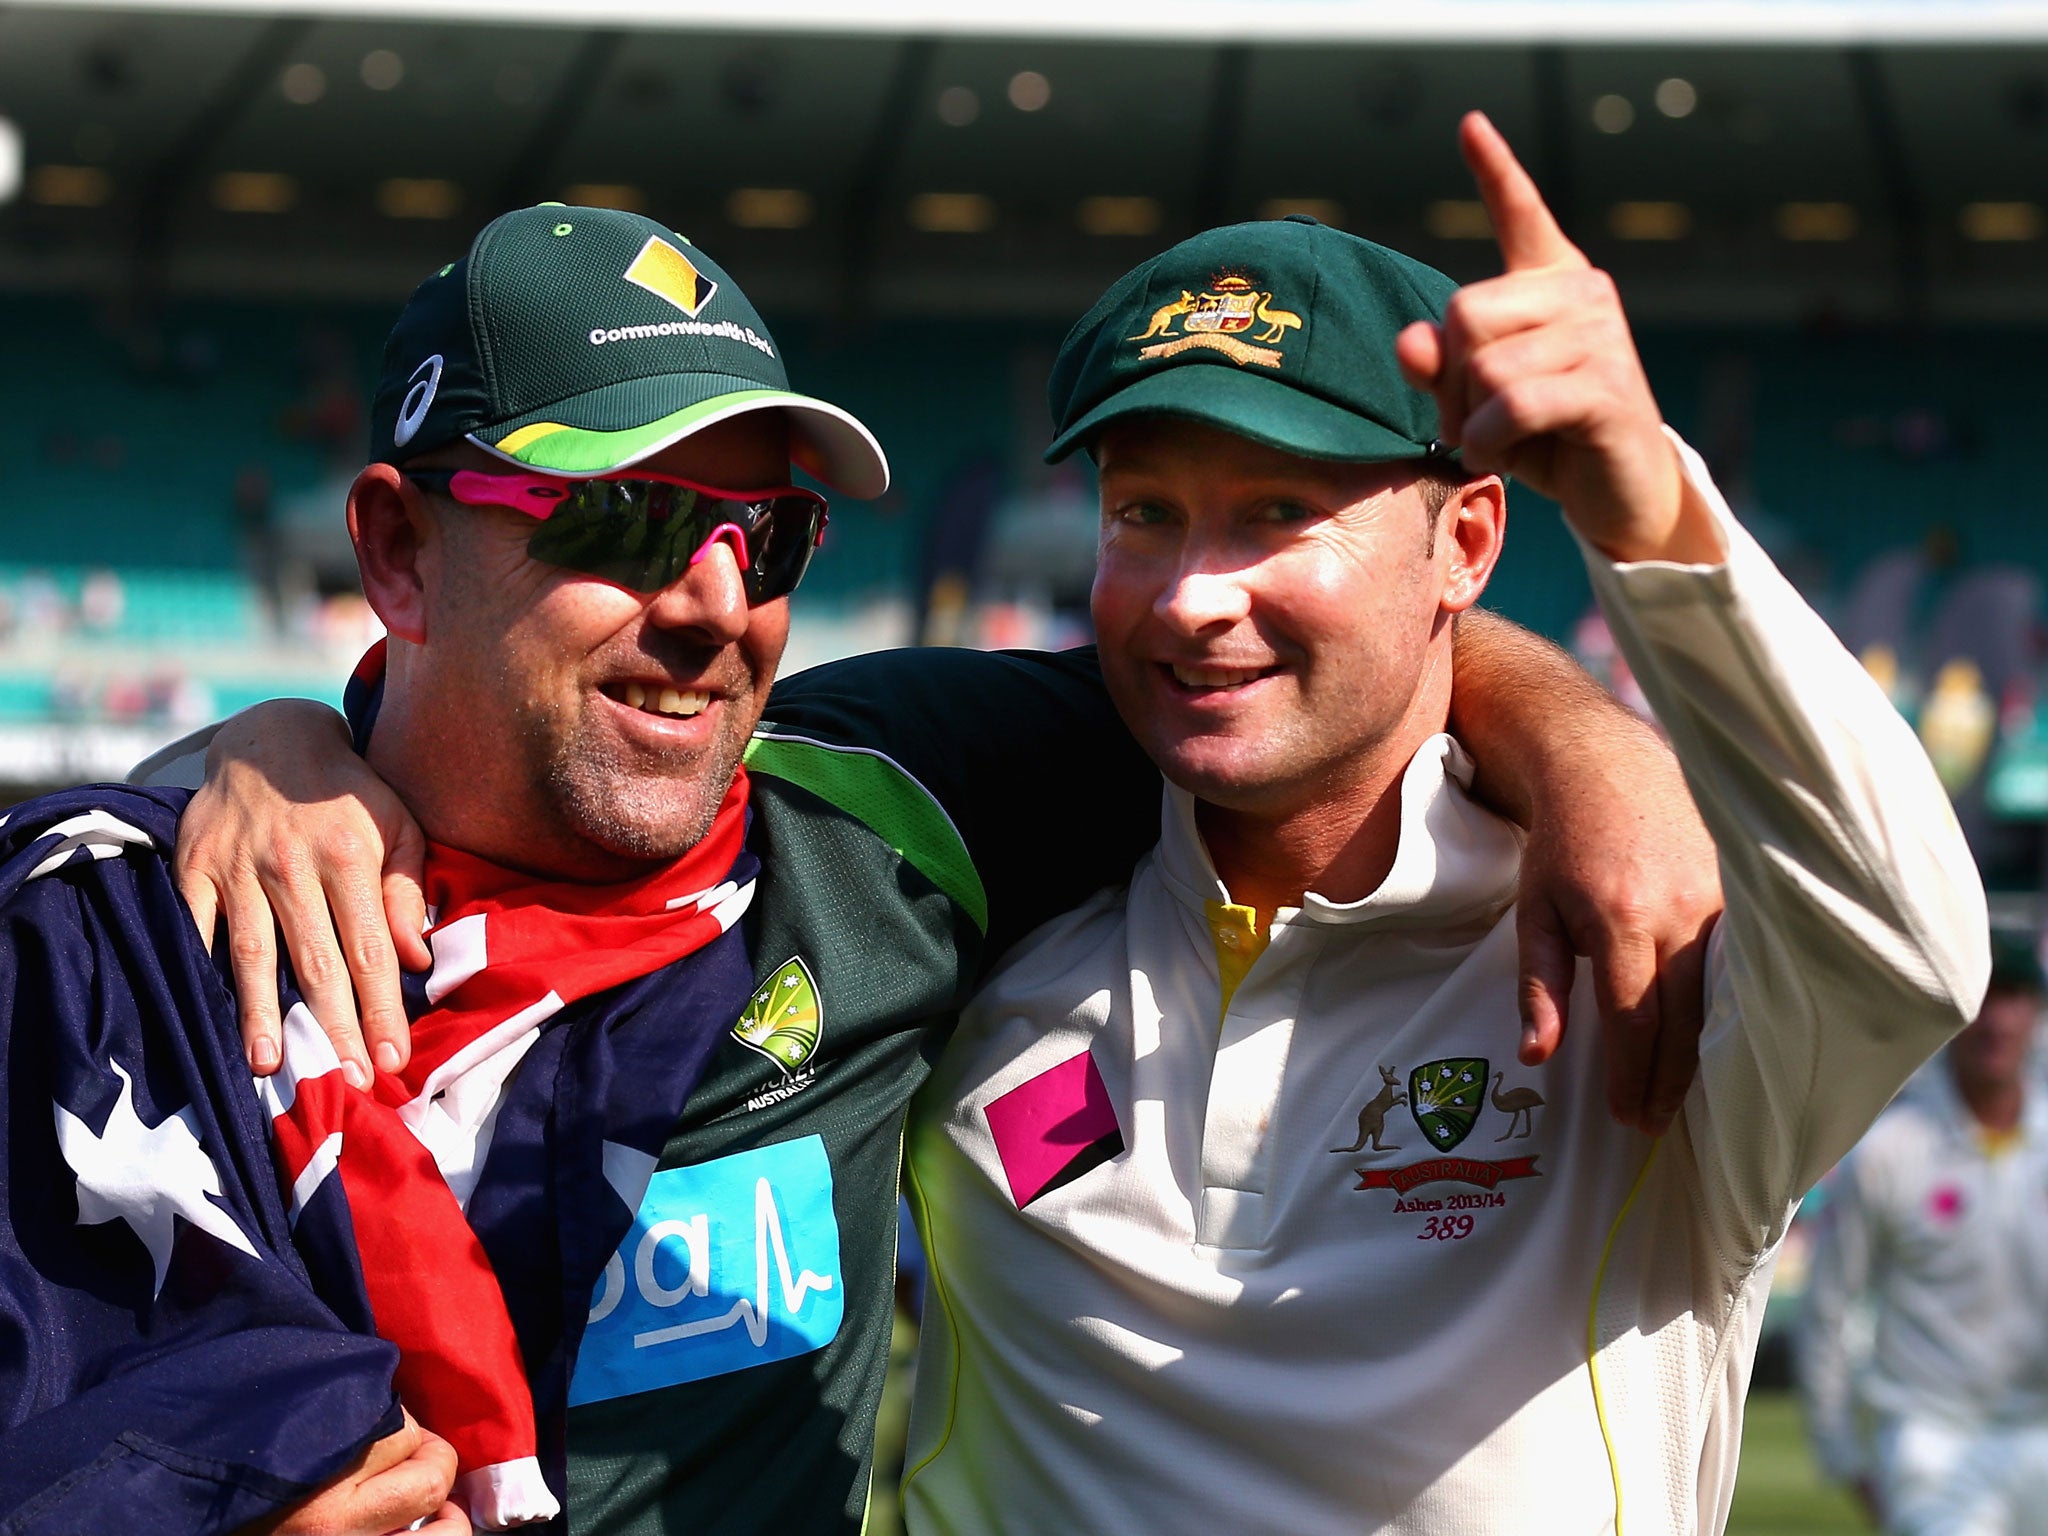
x=144, y=1175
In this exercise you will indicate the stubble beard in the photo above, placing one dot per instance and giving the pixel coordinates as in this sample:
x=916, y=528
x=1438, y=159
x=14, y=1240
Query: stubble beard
x=650, y=806
x=1311, y=755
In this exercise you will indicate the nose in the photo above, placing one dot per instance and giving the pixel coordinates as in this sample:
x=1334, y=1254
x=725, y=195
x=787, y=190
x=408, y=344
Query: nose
x=709, y=597
x=1197, y=599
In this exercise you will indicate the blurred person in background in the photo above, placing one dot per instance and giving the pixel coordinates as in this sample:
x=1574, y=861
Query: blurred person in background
x=1923, y=1347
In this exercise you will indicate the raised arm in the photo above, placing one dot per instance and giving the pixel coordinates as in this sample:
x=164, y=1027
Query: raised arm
x=1855, y=938
x=1618, y=867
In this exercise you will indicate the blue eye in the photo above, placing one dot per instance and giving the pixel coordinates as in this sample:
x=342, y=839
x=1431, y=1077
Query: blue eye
x=1284, y=512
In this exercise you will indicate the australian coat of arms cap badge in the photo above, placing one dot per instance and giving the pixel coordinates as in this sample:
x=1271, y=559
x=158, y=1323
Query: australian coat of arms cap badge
x=1217, y=319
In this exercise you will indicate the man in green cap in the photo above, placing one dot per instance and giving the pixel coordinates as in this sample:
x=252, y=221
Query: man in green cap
x=579, y=532
x=1244, y=1214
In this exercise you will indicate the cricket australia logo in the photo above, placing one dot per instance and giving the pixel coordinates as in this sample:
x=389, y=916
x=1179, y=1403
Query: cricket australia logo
x=783, y=1021
x=1215, y=318
x=1444, y=1097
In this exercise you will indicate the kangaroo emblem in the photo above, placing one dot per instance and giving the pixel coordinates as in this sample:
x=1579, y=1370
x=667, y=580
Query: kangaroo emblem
x=1164, y=316
x=1278, y=322
x=1372, y=1120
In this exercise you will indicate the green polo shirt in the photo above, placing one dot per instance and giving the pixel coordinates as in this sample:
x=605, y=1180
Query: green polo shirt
x=916, y=813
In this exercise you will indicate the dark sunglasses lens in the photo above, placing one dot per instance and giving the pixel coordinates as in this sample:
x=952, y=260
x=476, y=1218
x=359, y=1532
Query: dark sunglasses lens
x=634, y=534
x=782, y=548
x=642, y=534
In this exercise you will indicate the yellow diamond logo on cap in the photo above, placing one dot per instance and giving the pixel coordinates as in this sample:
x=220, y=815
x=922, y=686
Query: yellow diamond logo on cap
x=665, y=271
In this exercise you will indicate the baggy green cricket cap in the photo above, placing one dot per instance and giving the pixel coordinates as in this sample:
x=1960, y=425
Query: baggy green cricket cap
x=1281, y=331
x=580, y=341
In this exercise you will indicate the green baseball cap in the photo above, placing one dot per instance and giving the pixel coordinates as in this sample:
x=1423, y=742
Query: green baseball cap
x=580, y=341
x=1281, y=331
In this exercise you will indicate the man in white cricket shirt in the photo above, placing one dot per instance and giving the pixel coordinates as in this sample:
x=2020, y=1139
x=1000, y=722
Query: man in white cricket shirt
x=1246, y=1213
x=1924, y=1338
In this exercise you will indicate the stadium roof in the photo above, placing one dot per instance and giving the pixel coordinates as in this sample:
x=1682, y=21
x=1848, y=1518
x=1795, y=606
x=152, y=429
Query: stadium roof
x=897, y=157
x=1416, y=21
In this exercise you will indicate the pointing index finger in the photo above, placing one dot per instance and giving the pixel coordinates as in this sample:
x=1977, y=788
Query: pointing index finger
x=1522, y=222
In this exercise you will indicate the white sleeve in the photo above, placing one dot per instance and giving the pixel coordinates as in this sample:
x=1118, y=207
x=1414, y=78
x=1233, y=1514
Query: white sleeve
x=181, y=765
x=1837, y=1281
x=1855, y=940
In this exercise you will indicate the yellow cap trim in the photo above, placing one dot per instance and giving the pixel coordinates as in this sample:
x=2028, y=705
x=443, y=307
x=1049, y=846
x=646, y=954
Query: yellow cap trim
x=533, y=432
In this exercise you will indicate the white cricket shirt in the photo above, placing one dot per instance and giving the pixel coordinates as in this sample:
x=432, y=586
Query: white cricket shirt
x=1942, y=1235
x=1161, y=1301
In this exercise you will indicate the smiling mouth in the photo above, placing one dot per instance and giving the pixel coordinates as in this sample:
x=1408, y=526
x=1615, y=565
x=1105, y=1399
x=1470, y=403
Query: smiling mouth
x=668, y=703
x=1215, y=679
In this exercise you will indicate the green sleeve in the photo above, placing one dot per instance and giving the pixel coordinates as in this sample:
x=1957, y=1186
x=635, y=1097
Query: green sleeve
x=1006, y=776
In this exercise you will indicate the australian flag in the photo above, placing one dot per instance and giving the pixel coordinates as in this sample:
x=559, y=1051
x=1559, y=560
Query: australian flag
x=183, y=1347
x=168, y=1364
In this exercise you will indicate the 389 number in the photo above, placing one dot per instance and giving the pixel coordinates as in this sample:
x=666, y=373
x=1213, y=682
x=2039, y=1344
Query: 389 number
x=1444, y=1229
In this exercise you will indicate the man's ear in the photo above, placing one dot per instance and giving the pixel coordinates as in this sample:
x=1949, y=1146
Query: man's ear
x=392, y=529
x=1475, y=516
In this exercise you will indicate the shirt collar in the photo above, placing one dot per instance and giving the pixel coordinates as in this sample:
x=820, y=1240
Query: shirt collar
x=1456, y=859
x=1934, y=1089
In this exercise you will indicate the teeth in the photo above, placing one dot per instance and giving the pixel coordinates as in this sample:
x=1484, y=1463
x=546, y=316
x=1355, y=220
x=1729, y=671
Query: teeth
x=1216, y=677
x=688, y=702
x=674, y=702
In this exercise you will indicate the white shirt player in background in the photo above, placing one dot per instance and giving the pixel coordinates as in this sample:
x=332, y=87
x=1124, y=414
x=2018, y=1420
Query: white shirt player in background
x=1245, y=1212
x=1923, y=1347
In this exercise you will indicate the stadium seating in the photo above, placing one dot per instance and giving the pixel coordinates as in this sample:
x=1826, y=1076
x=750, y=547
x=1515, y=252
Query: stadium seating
x=152, y=450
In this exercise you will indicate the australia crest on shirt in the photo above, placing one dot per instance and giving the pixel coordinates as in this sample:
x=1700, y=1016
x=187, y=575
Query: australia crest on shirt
x=784, y=1022
x=1423, y=1128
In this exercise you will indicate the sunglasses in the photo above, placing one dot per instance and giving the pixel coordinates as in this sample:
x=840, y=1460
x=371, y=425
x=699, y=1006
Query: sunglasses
x=645, y=531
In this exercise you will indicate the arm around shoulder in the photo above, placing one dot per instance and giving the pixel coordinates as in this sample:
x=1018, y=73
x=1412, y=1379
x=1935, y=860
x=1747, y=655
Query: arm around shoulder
x=1617, y=865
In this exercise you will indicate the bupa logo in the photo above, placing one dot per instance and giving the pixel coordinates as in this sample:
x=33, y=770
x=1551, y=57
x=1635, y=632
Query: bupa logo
x=729, y=1264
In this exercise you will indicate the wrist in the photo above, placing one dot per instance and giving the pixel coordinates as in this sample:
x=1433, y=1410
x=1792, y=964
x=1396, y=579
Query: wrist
x=1679, y=529
x=1522, y=709
x=244, y=735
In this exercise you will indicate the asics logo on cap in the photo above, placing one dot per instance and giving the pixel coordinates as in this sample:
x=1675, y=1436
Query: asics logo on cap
x=419, y=399
x=666, y=272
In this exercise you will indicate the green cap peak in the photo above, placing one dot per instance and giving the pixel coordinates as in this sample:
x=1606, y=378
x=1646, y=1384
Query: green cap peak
x=1281, y=331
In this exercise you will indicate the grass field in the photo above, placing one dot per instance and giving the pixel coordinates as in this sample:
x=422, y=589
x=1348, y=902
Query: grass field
x=1778, y=1492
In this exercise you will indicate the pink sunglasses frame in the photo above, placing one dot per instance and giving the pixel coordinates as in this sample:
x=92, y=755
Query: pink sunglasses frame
x=522, y=492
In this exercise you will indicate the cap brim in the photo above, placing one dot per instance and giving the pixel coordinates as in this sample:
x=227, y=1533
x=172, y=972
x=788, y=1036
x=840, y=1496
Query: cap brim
x=1265, y=410
x=576, y=437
